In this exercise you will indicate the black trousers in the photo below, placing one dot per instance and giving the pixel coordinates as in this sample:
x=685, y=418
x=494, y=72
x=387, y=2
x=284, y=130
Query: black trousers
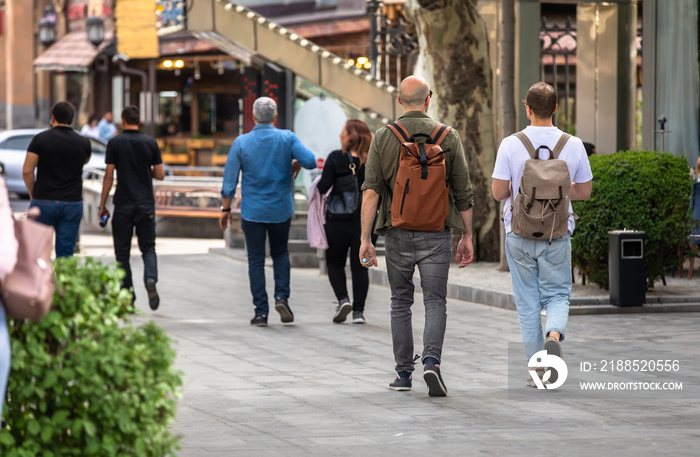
x=344, y=234
x=125, y=219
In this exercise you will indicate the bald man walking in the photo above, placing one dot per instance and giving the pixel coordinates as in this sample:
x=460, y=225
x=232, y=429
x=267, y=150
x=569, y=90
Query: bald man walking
x=406, y=249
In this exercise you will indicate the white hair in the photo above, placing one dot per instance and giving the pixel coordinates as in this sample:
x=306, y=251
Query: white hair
x=264, y=110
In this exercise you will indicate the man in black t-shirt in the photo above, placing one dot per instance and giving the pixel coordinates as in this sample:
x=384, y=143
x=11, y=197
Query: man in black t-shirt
x=58, y=156
x=137, y=159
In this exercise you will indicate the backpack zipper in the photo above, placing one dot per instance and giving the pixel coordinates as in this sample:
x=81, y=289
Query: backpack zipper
x=403, y=198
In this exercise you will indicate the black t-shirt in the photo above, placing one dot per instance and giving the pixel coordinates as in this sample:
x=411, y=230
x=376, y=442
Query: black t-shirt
x=132, y=155
x=59, y=173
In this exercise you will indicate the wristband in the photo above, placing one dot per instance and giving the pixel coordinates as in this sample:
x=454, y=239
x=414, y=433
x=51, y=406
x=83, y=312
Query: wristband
x=225, y=210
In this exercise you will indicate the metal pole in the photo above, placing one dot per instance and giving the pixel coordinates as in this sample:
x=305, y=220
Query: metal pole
x=152, y=98
x=566, y=88
x=141, y=74
x=398, y=69
x=555, y=79
x=387, y=63
x=372, y=6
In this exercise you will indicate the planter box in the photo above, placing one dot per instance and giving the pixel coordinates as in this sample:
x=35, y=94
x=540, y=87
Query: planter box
x=200, y=143
x=176, y=159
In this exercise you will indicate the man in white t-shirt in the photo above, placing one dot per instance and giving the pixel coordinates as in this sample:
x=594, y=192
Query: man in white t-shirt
x=540, y=270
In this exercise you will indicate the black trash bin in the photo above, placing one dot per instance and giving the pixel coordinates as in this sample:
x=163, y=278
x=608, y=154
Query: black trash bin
x=627, y=275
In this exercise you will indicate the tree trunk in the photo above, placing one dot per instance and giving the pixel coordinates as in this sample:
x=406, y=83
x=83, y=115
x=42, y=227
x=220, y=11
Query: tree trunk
x=454, y=58
x=507, y=93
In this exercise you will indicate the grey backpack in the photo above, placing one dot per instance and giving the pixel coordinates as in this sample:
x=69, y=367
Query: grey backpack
x=540, y=211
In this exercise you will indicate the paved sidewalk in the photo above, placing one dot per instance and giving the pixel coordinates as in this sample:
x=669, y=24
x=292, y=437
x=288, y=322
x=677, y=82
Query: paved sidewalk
x=485, y=283
x=321, y=389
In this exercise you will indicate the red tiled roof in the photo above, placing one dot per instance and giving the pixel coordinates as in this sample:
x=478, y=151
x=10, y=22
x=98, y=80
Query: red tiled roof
x=72, y=52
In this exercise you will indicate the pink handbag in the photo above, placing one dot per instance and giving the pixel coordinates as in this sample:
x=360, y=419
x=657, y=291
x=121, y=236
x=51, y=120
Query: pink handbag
x=27, y=292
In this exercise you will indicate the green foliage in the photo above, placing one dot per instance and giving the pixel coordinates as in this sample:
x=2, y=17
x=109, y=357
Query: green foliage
x=222, y=149
x=84, y=381
x=634, y=190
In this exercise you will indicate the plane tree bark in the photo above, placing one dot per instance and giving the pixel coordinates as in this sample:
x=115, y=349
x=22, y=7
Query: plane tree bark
x=454, y=58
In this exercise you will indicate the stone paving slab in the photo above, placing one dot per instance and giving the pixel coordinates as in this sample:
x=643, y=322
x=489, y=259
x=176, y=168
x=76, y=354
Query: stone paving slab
x=314, y=388
x=485, y=283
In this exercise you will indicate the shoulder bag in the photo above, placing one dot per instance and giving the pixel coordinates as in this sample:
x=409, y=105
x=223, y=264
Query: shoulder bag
x=27, y=292
x=344, y=201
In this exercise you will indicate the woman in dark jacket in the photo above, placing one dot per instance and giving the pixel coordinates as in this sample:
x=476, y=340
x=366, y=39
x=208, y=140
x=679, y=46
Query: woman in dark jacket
x=343, y=232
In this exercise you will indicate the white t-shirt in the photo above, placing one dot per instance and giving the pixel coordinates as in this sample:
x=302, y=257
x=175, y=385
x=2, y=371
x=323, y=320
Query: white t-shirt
x=512, y=155
x=92, y=132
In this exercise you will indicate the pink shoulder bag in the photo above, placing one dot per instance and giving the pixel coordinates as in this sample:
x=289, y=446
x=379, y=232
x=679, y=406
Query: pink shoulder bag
x=27, y=292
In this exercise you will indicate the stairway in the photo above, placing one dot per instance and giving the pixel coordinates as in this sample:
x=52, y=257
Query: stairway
x=246, y=35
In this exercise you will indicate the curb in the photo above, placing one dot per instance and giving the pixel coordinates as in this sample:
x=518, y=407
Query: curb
x=578, y=305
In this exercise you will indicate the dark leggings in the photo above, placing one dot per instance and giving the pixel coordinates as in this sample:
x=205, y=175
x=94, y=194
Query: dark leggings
x=341, y=237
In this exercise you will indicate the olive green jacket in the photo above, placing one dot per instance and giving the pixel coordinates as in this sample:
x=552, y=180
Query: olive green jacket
x=383, y=163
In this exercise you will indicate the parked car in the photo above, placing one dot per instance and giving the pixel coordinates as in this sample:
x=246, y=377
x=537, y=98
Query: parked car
x=13, y=149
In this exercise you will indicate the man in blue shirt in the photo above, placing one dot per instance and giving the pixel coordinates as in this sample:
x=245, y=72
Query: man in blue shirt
x=106, y=128
x=268, y=158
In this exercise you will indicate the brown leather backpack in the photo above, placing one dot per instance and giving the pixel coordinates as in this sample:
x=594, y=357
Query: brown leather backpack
x=420, y=194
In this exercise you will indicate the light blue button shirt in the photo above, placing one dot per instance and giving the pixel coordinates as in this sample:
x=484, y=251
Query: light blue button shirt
x=264, y=157
x=106, y=130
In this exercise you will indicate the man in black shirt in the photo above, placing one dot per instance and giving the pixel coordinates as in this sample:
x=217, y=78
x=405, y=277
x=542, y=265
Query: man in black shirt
x=58, y=156
x=136, y=158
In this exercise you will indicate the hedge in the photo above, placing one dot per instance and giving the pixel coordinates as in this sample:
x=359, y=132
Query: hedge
x=84, y=381
x=634, y=190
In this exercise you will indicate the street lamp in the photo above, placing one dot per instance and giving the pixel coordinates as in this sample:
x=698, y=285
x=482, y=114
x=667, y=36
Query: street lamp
x=95, y=27
x=47, y=32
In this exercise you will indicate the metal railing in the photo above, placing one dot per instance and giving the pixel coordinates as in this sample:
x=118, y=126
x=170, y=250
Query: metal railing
x=392, y=48
x=558, y=51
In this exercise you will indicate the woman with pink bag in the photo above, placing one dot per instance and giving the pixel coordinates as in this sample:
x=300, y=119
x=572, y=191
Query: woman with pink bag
x=8, y=258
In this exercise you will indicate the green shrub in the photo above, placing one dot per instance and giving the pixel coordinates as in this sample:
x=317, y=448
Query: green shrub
x=84, y=381
x=634, y=190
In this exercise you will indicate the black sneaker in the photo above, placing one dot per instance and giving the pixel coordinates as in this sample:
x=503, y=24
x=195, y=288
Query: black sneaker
x=552, y=346
x=153, y=298
x=358, y=317
x=433, y=379
x=259, y=320
x=401, y=384
x=282, y=307
x=342, y=311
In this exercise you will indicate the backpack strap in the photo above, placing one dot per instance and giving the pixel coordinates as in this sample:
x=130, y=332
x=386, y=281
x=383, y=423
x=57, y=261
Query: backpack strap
x=560, y=145
x=527, y=143
x=400, y=131
x=439, y=134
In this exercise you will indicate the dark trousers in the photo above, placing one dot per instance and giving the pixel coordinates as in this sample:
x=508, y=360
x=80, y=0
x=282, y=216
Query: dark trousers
x=278, y=234
x=341, y=236
x=125, y=219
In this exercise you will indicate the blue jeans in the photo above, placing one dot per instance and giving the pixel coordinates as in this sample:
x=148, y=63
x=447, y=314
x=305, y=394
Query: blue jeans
x=431, y=252
x=255, y=234
x=65, y=218
x=541, y=275
x=5, y=357
x=143, y=219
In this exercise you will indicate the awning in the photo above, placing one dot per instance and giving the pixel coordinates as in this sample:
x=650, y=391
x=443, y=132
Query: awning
x=73, y=52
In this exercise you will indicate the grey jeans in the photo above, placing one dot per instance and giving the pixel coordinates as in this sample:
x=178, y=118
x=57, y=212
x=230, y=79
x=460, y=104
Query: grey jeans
x=432, y=252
